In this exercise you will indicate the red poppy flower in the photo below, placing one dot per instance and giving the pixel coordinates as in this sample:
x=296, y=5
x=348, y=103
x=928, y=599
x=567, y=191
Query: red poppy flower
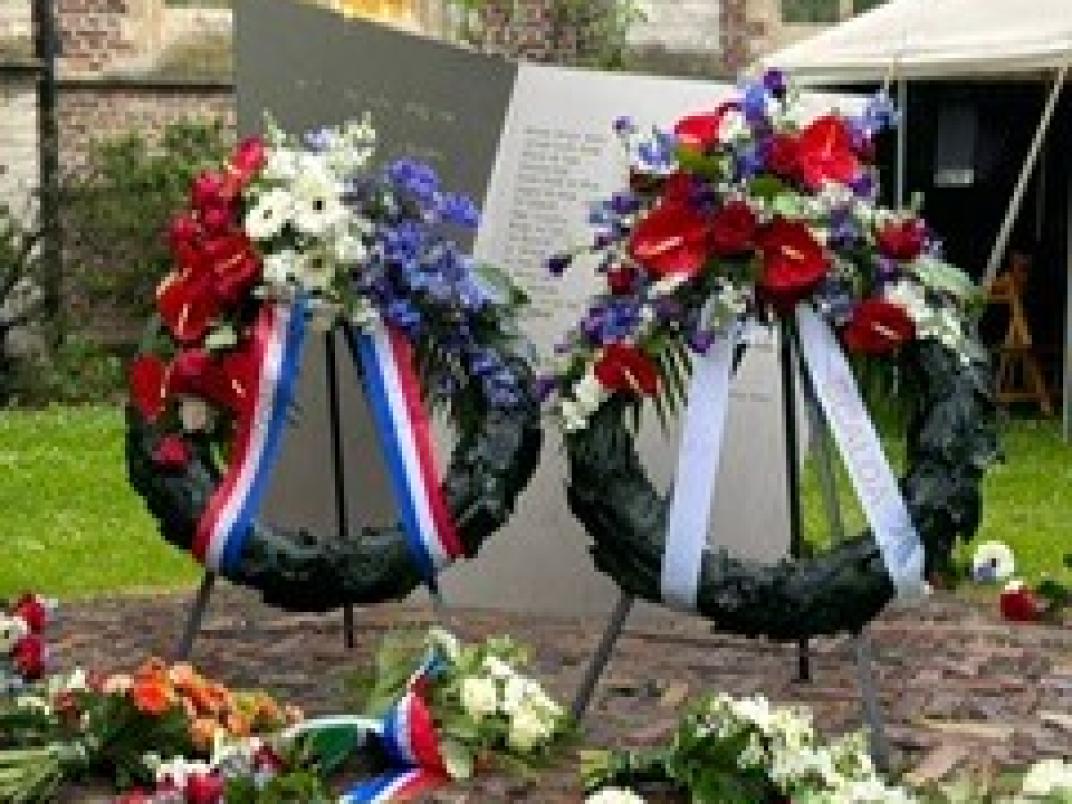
x=733, y=229
x=825, y=153
x=672, y=239
x=621, y=280
x=783, y=155
x=878, y=327
x=147, y=377
x=172, y=453
x=623, y=367
x=701, y=131
x=794, y=263
x=28, y=657
x=226, y=381
x=1019, y=604
x=902, y=241
x=33, y=612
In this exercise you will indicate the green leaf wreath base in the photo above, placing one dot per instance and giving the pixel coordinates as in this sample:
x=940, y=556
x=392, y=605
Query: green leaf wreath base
x=299, y=570
x=952, y=438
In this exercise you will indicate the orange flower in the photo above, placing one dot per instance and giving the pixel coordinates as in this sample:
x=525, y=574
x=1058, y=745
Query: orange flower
x=152, y=696
x=237, y=725
x=152, y=668
x=203, y=733
x=184, y=677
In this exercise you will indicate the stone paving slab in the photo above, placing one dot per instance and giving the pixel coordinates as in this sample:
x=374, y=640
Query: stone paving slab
x=957, y=686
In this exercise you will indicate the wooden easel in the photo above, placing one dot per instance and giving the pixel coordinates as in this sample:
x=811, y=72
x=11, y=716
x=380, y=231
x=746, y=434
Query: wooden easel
x=1019, y=375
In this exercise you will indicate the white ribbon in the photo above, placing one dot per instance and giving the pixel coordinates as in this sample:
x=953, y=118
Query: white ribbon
x=873, y=480
x=697, y=469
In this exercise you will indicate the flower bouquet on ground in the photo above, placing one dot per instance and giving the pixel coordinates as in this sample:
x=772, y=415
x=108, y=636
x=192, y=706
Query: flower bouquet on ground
x=116, y=727
x=1019, y=602
x=23, y=650
x=448, y=710
x=745, y=751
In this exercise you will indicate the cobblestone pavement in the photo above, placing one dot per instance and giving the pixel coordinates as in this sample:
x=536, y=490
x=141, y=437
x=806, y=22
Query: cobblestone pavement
x=957, y=686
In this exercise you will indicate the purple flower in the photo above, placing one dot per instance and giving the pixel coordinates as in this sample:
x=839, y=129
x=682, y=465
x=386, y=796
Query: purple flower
x=624, y=203
x=750, y=162
x=317, y=140
x=844, y=231
x=459, y=210
x=864, y=186
x=701, y=341
x=416, y=178
x=754, y=103
x=880, y=113
x=887, y=269
x=775, y=82
x=543, y=386
x=404, y=315
x=624, y=126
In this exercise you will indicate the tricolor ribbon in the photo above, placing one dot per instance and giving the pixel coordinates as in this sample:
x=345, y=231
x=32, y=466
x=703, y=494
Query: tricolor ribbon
x=697, y=470
x=277, y=340
x=409, y=740
x=393, y=391
x=870, y=472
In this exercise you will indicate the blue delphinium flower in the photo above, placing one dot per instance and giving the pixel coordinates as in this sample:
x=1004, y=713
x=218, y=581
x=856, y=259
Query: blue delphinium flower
x=754, y=103
x=415, y=178
x=459, y=210
x=775, y=82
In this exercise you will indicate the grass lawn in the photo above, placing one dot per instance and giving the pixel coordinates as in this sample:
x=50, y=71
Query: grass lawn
x=72, y=527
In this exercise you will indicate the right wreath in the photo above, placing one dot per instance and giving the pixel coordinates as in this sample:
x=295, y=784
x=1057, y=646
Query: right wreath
x=746, y=215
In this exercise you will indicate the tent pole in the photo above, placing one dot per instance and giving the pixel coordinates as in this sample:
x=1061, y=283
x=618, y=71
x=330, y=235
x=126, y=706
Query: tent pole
x=1017, y=200
x=902, y=143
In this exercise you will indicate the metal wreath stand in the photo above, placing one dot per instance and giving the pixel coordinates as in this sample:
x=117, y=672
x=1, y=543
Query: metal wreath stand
x=789, y=361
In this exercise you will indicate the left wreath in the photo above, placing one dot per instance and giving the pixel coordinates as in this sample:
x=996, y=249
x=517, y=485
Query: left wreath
x=292, y=236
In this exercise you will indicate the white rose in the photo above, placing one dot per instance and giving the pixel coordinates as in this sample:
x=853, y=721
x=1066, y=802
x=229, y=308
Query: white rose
x=528, y=729
x=480, y=697
x=269, y=215
x=1048, y=777
x=194, y=413
x=12, y=629
x=614, y=795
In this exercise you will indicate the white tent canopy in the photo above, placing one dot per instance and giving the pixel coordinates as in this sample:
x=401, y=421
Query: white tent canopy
x=934, y=39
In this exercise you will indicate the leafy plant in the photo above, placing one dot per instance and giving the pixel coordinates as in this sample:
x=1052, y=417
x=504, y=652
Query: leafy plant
x=117, y=210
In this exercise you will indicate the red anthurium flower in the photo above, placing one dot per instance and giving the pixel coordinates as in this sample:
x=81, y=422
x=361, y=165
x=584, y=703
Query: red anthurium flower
x=208, y=191
x=902, y=241
x=783, y=155
x=825, y=153
x=1019, y=604
x=621, y=280
x=624, y=367
x=183, y=230
x=878, y=327
x=172, y=453
x=227, y=381
x=148, y=380
x=33, y=612
x=249, y=157
x=701, y=131
x=672, y=239
x=733, y=229
x=188, y=302
x=678, y=188
x=794, y=263
x=234, y=263
x=29, y=657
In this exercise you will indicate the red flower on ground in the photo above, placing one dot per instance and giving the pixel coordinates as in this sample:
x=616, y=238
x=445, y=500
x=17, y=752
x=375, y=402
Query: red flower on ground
x=672, y=239
x=147, y=377
x=700, y=131
x=878, y=327
x=33, y=612
x=794, y=263
x=624, y=367
x=1019, y=604
x=733, y=229
x=172, y=453
x=902, y=241
x=205, y=788
x=783, y=155
x=28, y=657
x=825, y=153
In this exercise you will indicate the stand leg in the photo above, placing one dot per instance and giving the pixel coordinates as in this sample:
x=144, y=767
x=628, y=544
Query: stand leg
x=602, y=656
x=792, y=469
x=197, y=614
x=339, y=466
x=872, y=707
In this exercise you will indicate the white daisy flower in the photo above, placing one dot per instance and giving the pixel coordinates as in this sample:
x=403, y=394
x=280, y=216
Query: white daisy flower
x=318, y=208
x=269, y=215
x=315, y=271
x=993, y=562
x=279, y=267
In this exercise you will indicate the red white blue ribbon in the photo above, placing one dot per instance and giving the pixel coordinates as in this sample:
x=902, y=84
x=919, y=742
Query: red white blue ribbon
x=393, y=391
x=278, y=337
